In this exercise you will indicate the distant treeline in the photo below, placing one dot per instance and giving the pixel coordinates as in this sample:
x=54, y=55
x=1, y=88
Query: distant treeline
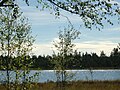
x=77, y=60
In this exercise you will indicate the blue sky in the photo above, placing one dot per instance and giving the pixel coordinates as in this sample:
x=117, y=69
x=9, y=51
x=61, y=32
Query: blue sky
x=45, y=28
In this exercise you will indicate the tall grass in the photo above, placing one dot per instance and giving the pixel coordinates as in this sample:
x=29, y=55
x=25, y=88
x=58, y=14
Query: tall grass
x=77, y=85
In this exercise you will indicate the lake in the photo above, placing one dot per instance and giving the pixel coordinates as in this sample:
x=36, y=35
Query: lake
x=49, y=75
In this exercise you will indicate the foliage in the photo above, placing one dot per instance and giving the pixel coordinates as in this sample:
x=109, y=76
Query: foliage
x=92, y=12
x=77, y=60
x=64, y=46
x=15, y=45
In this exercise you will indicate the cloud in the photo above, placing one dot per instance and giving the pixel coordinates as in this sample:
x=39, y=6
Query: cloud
x=96, y=46
x=38, y=17
x=42, y=49
x=89, y=46
x=44, y=18
x=115, y=28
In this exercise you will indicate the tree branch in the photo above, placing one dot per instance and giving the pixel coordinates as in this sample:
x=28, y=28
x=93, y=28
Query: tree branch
x=62, y=7
x=2, y=4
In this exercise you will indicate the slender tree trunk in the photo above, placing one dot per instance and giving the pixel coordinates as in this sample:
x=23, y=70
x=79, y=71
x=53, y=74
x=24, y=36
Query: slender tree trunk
x=8, y=62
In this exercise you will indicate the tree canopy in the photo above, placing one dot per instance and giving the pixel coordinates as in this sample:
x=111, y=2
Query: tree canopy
x=92, y=12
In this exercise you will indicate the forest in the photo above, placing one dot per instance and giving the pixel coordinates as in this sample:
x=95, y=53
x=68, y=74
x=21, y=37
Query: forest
x=77, y=60
x=16, y=43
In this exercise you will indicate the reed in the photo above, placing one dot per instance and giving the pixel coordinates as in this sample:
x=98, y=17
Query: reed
x=77, y=85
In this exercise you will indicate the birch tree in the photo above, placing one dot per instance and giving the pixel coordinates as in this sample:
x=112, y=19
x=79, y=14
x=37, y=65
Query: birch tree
x=16, y=44
x=64, y=47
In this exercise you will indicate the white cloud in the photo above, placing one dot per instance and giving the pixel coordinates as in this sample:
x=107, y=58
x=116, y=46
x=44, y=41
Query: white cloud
x=96, y=46
x=115, y=28
x=38, y=17
x=44, y=17
x=91, y=46
x=42, y=49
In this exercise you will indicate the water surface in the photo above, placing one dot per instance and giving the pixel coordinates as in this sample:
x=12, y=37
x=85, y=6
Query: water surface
x=49, y=75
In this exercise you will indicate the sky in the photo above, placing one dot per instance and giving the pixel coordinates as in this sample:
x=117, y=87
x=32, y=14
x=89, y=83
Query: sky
x=45, y=28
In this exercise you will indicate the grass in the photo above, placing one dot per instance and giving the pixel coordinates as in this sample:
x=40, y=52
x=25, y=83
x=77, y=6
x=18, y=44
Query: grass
x=78, y=85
